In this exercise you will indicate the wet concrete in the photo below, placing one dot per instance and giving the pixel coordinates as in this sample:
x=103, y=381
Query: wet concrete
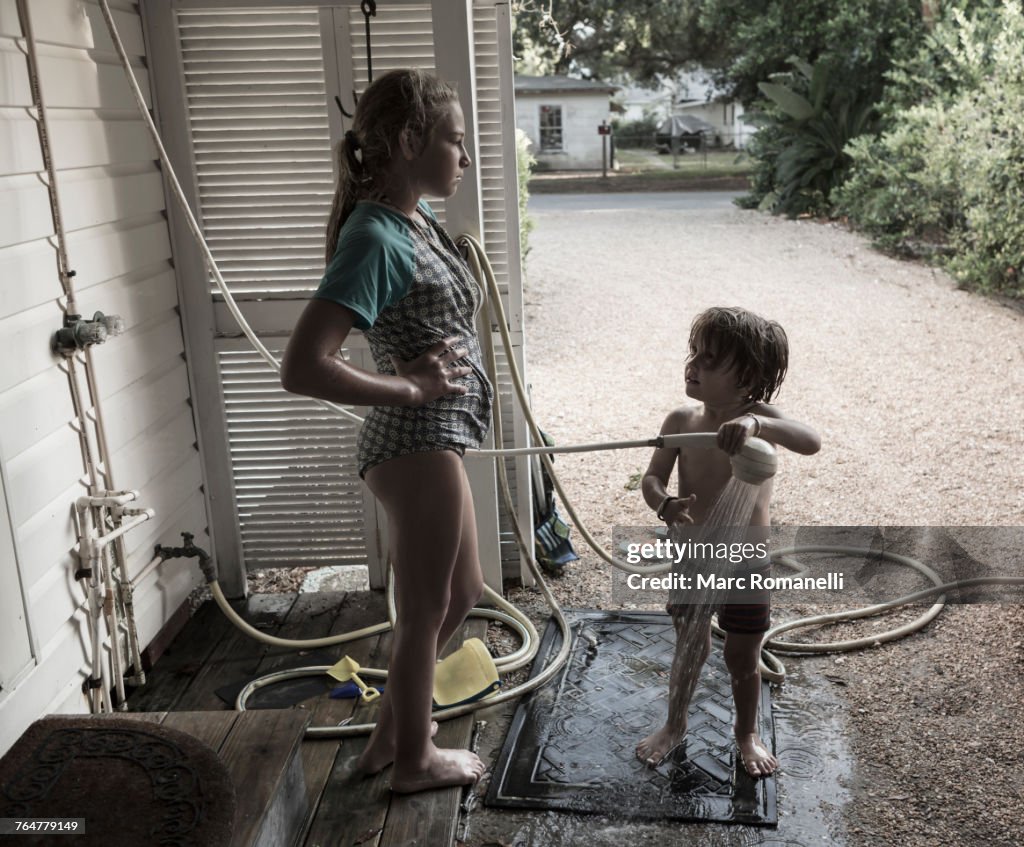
x=815, y=773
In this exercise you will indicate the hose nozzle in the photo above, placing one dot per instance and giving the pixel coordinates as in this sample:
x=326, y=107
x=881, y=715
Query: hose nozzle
x=755, y=463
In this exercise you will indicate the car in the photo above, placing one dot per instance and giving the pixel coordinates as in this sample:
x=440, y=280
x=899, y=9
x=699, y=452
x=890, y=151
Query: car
x=686, y=131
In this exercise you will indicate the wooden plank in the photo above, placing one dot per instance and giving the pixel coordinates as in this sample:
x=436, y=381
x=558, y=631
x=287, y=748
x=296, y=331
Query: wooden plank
x=28, y=277
x=34, y=410
x=86, y=143
x=20, y=152
x=162, y=448
x=347, y=807
x=262, y=756
x=130, y=411
x=39, y=553
x=312, y=615
x=138, y=352
x=94, y=196
x=167, y=495
x=74, y=79
x=181, y=660
x=82, y=25
x=27, y=344
x=429, y=817
x=354, y=809
x=136, y=297
x=40, y=473
x=117, y=249
x=236, y=656
x=432, y=816
x=166, y=529
x=212, y=728
x=146, y=717
x=14, y=85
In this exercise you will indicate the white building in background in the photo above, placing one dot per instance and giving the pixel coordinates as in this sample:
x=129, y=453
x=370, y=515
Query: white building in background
x=561, y=115
x=690, y=93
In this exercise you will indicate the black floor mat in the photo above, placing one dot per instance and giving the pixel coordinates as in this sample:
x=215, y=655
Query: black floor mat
x=571, y=743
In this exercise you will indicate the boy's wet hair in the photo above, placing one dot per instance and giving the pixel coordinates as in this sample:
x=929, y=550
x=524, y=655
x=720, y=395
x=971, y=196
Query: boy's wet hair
x=757, y=348
x=410, y=100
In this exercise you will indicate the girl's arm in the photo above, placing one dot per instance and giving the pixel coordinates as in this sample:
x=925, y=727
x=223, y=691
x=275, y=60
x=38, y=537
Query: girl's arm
x=311, y=366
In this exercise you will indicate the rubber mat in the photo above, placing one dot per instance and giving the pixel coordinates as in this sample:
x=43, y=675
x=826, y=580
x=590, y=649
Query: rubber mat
x=571, y=743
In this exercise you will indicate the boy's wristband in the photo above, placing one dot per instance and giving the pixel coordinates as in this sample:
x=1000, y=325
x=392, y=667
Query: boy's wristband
x=757, y=423
x=661, y=506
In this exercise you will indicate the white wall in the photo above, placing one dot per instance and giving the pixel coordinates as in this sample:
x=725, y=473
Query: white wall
x=113, y=205
x=727, y=119
x=581, y=116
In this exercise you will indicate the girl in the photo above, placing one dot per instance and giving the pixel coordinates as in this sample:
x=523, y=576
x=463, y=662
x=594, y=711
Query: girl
x=395, y=274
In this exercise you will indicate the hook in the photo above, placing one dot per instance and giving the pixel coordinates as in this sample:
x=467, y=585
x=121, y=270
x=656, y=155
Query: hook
x=369, y=9
x=337, y=100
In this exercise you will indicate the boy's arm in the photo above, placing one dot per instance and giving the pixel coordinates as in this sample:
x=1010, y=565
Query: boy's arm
x=655, y=482
x=769, y=423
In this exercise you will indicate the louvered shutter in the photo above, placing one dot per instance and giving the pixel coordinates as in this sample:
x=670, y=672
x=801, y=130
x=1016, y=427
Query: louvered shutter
x=259, y=88
x=255, y=96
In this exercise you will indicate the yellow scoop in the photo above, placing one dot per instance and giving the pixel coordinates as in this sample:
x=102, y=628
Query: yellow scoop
x=348, y=669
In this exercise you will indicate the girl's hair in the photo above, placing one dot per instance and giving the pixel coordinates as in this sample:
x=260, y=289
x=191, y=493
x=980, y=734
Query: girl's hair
x=401, y=100
x=757, y=348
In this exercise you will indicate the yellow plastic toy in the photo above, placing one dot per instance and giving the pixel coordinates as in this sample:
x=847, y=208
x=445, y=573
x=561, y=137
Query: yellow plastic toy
x=348, y=669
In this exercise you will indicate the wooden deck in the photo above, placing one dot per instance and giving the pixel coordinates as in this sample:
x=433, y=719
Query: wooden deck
x=342, y=809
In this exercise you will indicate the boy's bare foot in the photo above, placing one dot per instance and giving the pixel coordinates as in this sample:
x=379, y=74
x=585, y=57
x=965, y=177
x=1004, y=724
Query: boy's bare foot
x=380, y=753
x=443, y=767
x=756, y=759
x=656, y=746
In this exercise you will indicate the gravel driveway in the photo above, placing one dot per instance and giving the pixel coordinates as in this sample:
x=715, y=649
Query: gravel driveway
x=917, y=389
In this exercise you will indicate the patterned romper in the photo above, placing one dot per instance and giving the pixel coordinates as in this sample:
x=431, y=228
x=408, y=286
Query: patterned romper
x=409, y=288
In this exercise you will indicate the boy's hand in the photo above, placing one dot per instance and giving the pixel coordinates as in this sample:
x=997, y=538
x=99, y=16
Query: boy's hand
x=732, y=435
x=678, y=510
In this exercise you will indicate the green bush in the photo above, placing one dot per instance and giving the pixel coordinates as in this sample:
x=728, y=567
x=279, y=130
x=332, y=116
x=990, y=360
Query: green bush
x=636, y=134
x=947, y=175
x=525, y=163
x=806, y=124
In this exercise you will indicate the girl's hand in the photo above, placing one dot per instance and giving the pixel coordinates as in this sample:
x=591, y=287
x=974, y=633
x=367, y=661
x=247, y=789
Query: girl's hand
x=430, y=372
x=732, y=435
x=678, y=510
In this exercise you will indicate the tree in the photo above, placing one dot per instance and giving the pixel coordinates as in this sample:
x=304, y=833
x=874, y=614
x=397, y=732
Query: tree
x=606, y=39
x=743, y=42
x=857, y=39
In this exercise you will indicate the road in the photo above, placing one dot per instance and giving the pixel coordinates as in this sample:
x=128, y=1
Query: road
x=648, y=201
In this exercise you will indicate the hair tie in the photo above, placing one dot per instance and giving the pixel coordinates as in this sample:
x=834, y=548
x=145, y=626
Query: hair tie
x=353, y=144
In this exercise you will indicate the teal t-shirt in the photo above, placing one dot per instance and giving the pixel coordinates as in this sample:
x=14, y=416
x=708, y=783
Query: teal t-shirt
x=374, y=263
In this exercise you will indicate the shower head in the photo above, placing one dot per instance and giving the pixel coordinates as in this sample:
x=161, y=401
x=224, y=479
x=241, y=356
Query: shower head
x=755, y=463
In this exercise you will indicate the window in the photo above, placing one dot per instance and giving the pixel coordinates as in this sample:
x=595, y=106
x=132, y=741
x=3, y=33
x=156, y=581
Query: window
x=550, y=128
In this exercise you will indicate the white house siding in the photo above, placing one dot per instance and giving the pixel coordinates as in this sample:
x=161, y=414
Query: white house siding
x=581, y=116
x=113, y=204
x=726, y=116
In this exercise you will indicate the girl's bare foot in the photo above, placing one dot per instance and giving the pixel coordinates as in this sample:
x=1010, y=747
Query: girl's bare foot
x=443, y=767
x=656, y=746
x=380, y=753
x=756, y=759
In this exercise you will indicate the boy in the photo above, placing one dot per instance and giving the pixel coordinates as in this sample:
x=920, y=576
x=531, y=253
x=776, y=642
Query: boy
x=736, y=364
